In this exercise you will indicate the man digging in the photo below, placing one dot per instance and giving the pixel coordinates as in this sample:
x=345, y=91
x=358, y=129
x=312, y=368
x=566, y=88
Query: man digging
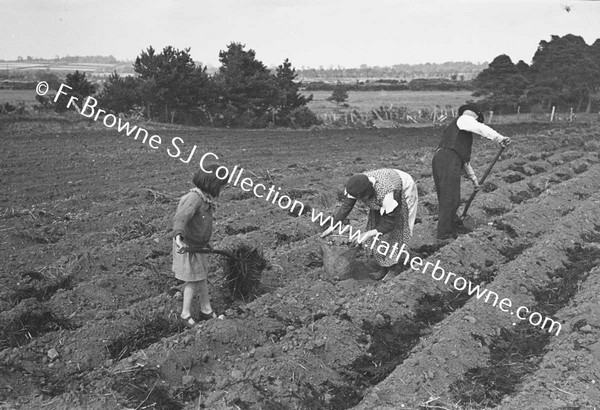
x=453, y=156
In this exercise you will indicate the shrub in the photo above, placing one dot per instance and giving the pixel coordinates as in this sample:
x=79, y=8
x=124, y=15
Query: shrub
x=8, y=107
x=303, y=117
x=45, y=103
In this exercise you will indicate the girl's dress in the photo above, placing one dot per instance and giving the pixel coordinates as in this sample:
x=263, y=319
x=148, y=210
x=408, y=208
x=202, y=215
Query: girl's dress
x=193, y=221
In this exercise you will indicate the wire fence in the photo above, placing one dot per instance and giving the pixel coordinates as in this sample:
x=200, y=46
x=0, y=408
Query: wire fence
x=392, y=117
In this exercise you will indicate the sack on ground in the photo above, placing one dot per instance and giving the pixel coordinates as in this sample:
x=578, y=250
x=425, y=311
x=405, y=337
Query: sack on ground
x=338, y=260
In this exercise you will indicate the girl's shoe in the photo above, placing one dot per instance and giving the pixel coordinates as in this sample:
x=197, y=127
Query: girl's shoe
x=188, y=321
x=206, y=316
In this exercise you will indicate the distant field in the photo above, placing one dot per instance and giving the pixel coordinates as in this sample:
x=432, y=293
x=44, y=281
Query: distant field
x=16, y=96
x=359, y=100
x=368, y=100
x=92, y=69
x=364, y=101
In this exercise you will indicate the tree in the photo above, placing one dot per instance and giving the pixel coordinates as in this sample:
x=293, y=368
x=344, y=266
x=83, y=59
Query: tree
x=523, y=68
x=288, y=95
x=120, y=94
x=594, y=87
x=247, y=90
x=501, y=84
x=170, y=82
x=566, y=66
x=339, y=94
x=81, y=88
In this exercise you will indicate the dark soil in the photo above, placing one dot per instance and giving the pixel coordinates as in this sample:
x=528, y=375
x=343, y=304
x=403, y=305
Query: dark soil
x=89, y=307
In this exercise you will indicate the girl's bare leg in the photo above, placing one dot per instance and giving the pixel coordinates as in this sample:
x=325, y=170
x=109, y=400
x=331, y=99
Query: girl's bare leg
x=188, y=295
x=205, y=306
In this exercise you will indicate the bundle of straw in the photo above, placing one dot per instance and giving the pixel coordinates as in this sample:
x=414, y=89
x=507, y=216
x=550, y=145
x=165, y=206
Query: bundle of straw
x=243, y=271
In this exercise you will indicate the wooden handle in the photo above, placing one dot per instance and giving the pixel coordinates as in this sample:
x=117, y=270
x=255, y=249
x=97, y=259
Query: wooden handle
x=481, y=181
x=207, y=250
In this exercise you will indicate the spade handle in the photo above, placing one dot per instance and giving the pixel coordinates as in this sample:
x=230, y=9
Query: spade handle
x=481, y=181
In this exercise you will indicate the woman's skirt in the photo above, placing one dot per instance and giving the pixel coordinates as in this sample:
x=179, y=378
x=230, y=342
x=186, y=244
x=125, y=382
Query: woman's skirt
x=382, y=250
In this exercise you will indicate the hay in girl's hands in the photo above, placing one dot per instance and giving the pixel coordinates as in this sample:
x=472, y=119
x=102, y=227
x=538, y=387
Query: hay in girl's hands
x=242, y=275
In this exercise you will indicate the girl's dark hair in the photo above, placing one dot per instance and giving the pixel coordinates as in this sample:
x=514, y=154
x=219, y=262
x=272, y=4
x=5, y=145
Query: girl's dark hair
x=208, y=182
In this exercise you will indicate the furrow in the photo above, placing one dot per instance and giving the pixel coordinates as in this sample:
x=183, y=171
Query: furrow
x=463, y=340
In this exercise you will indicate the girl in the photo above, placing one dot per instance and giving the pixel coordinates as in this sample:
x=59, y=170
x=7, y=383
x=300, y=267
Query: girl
x=391, y=196
x=192, y=227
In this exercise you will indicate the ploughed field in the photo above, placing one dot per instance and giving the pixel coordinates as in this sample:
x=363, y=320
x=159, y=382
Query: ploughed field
x=89, y=309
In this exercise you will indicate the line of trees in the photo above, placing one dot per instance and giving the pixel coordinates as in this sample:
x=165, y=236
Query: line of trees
x=170, y=87
x=71, y=59
x=455, y=70
x=244, y=92
x=564, y=72
x=418, y=84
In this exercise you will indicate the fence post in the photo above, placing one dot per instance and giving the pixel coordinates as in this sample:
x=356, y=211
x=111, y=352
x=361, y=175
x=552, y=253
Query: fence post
x=571, y=115
x=518, y=111
x=552, y=115
x=491, y=116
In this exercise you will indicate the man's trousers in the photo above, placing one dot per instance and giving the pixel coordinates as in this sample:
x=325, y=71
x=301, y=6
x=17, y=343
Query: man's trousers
x=447, y=171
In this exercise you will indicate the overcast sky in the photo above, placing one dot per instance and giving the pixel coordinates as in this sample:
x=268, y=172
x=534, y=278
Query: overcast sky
x=311, y=33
